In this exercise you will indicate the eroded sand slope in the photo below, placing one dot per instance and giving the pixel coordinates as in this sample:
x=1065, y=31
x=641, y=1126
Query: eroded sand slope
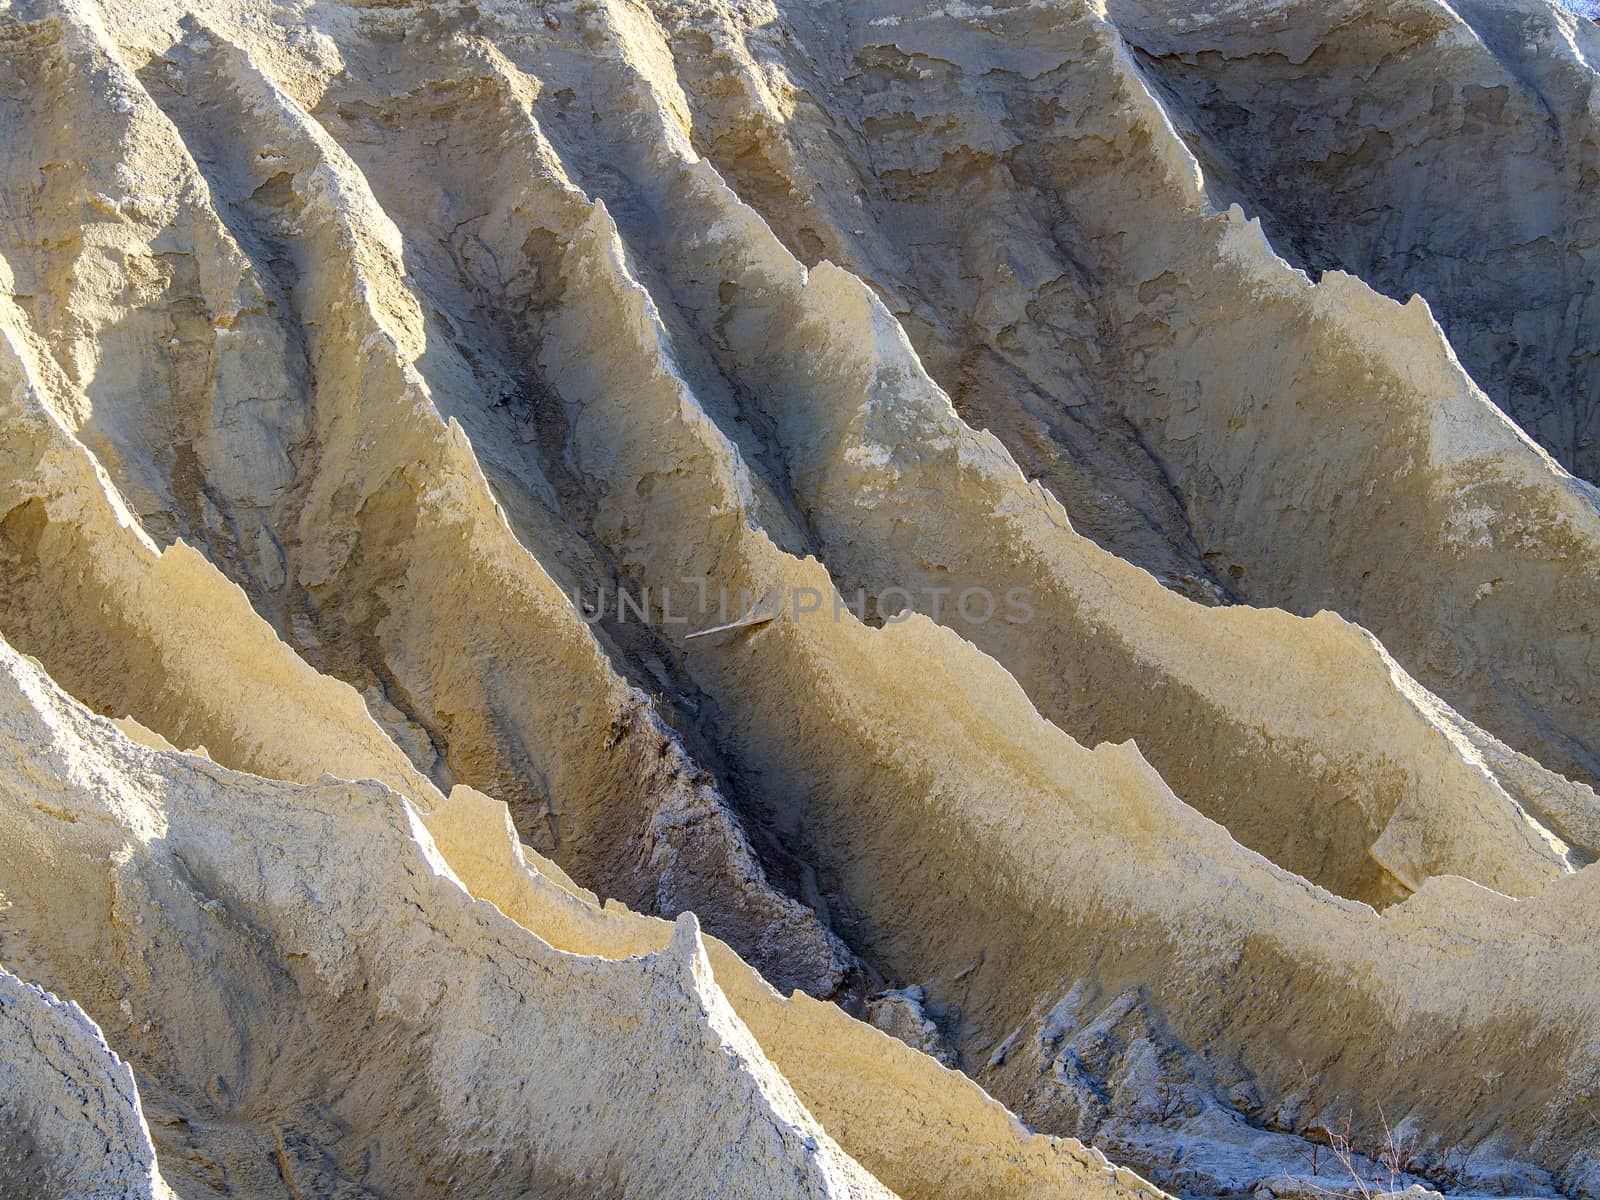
x=392, y=396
